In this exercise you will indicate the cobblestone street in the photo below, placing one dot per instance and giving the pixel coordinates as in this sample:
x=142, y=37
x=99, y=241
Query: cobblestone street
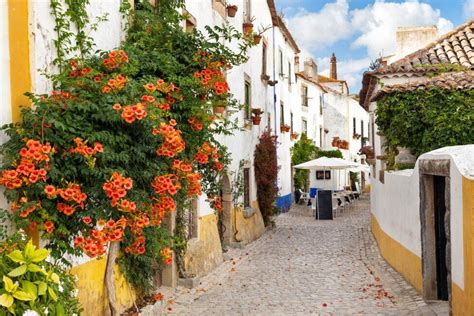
x=300, y=267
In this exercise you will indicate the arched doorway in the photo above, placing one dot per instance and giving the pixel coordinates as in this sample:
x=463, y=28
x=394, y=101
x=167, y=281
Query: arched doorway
x=224, y=223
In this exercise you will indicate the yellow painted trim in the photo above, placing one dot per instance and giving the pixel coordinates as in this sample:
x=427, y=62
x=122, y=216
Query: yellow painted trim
x=91, y=289
x=20, y=76
x=463, y=300
x=400, y=258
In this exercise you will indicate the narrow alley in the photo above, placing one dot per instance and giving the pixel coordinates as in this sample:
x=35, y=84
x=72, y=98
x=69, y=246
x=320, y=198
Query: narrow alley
x=304, y=266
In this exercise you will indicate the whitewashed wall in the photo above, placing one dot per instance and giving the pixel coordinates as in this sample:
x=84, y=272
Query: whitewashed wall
x=241, y=145
x=396, y=204
x=42, y=35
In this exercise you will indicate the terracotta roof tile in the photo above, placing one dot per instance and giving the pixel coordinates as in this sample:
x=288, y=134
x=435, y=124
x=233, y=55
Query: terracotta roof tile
x=455, y=48
x=447, y=81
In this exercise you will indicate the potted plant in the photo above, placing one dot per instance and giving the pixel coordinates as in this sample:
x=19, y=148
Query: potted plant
x=294, y=136
x=231, y=10
x=344, y=144
x=219, y=107
x=248, y=26
x=284, y=128
x=356, y=136
x=256, y=118
x=257, y=38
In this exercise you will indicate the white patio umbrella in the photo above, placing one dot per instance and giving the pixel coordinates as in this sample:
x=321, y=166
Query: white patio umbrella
x=358, y=167
x=326, y=163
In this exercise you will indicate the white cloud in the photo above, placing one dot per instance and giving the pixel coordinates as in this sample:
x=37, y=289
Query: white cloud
x=316, y=30
x=468, y=8
x=378, y=22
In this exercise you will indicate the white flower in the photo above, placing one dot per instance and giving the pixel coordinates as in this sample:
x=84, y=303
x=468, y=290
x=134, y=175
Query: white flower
x=30, y=313
x=46, y=311
x=75, y=292
x=60, y=288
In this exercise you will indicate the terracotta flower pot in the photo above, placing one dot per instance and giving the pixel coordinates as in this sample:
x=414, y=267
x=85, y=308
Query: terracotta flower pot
x=257, y=39
x=231, y=10
x=248, y=27
x=256, y=120
x=219, y=109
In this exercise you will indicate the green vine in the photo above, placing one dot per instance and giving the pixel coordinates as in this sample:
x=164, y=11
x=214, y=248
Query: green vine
x=424, y=120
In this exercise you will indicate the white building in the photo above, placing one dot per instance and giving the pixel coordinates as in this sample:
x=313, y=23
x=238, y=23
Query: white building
x=405, y=204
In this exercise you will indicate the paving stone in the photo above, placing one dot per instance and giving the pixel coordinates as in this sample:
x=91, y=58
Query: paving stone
x=301, y=267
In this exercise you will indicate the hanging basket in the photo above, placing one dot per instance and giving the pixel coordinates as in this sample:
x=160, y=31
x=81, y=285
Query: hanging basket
x=256, y=120
x=248, y=27
x=257, y=38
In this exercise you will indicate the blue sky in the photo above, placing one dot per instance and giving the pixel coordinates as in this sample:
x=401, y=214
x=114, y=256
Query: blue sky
x=358, y=31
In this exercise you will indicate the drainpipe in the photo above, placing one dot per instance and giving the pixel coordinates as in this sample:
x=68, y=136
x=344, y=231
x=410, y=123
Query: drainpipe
x=274, y=100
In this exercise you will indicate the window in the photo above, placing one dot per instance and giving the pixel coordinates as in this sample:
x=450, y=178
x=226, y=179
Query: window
x=264, y=59
x=305, y=96
x=304, y=126
x=289, y=73
x=362, y=141
x=321, y=102
x=291, y=122
x=281, y=62
x=282, y=114
x=248, y=99
x=354, y=130
x=246, y=187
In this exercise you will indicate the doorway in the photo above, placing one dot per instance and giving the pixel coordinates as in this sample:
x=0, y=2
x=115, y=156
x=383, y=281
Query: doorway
x=435, y=229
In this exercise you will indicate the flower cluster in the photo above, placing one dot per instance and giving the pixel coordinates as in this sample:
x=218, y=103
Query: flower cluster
x=116, y=188
x=167, y=255
x=216, y=202
x=84, y=150
x=195, y=124
x=76, y=71
x=115, y=59
x=206, y=151
x=212, y=77
x=166, y=184
x=194, y=184
x=115, y=84
x=173, y=143
x=26, y=172
x=94, y=242
x=130, y=113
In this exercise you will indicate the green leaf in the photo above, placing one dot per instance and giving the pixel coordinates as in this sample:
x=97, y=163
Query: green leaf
x=52, y=293
x=60, y=310
x=29, y=250
x=16, y=256
x=34, y=268
x=23, y=296
x=18, y=271
x=39, y=255
x=9, y=285
x=30, y=288
x=6, y=300
x=42, y=288
x=55, y=278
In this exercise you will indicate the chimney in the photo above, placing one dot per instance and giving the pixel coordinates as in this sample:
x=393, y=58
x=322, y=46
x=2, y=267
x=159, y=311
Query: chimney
x=310, y=68
x=411, y=39
x=333, y=73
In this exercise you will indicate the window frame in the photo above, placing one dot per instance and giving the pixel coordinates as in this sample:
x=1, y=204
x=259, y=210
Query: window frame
x=247, y=98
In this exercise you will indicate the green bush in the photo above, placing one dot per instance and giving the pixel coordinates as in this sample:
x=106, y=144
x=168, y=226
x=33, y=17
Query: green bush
x=30, y=283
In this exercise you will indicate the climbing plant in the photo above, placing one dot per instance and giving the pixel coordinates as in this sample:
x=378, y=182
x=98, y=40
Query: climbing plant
x=266, y=173
x=127, y=137
x=423, y=120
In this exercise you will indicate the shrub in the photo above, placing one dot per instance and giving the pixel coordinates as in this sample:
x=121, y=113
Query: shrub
x=266, y=173
x=30, y=283
x=303, y=151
